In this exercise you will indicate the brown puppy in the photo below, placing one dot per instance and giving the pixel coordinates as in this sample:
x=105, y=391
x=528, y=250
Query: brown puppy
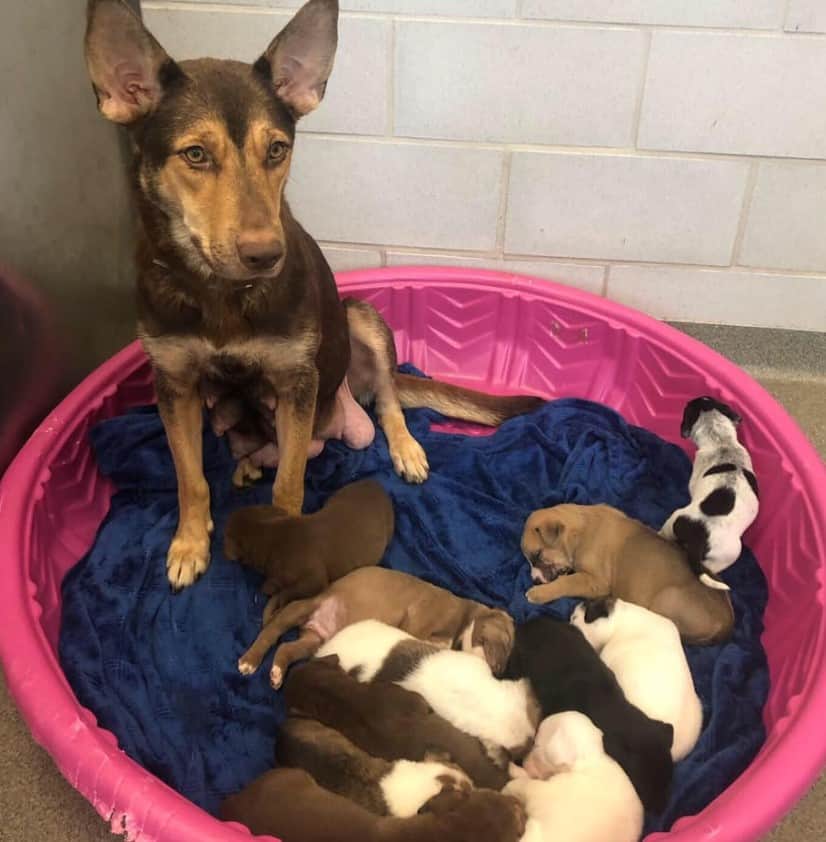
x=289, y=804
x=385, y=720
x=395, y=598
x=597, y=551
x=397, y=788
x=302, y=555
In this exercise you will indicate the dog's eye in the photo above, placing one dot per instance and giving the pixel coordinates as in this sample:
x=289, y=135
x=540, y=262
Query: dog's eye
x=196, y=155
x=277, y=151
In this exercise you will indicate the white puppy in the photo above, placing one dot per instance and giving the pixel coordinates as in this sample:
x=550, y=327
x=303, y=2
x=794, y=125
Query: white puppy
x=644, y=651
x=459, y=686
x=723, y=488
x=575, y=792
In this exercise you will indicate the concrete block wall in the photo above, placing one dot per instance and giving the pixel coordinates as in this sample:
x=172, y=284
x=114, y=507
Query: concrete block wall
x=668, y=154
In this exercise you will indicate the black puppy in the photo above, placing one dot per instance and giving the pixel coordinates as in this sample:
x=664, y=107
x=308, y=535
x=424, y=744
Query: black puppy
x=567, y=674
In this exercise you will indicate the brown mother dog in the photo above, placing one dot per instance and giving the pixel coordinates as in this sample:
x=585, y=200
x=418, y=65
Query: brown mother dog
x=235, y=299
x=597, y=551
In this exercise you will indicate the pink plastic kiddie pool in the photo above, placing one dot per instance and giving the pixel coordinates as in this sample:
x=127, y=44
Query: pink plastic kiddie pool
x=490, y=330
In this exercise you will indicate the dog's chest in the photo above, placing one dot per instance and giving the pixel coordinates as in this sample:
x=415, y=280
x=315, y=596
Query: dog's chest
x=237, y=363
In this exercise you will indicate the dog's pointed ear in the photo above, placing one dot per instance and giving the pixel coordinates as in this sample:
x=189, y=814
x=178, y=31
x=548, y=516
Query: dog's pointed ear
x=127, y=66
x=596, y=609
x=300, y=58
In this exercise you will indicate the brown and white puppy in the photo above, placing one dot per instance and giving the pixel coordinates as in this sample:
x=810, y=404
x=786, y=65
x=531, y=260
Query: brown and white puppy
x=290, y=805
x=301, y=555
x=460, y=687
x=597, y=551
x=386, y=788
x=395, y=598
x=385, y=720
x=237, y=306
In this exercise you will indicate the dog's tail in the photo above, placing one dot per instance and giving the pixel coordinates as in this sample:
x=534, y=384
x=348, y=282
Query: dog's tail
x=460, y=403
x=692, y=536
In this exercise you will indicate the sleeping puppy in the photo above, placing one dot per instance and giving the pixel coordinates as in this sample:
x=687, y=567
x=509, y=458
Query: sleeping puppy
x=575, y=792
x=566, y=674
x=644, y=652
x=375, y=593
x=458, y=686
x=399, y=788
x=597, y=551
x=290, y=805
x=301, y=555
x=385, y=720
x=723, y=488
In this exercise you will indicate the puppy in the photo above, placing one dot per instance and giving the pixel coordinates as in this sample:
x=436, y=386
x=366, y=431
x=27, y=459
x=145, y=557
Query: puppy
x=375, y=593
x=397, y=788
x=457, y=685
x=723, y=488
x=575, y=791
x=301, y=555
x=290, y=805
x=597, y=551
x=566, y=674
x=386, y=720
x=644, y=652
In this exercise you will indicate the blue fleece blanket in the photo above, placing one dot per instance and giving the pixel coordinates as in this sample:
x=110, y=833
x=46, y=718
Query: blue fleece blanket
x=159, y=670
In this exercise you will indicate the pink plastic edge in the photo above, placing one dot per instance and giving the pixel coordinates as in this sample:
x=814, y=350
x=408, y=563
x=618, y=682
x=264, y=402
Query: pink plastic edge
x=145, y=809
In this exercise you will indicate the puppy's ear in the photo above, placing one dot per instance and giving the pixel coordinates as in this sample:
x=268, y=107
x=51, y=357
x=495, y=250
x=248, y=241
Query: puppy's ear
x=299, y=60
x=129, y=69
x=549, y=531
x=494, y=633
x=597, y=609
x=327, y=660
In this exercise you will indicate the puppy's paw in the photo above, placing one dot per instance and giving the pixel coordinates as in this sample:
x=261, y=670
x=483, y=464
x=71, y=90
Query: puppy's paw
x=245, y=473
x=409, y=460
x=276, y=677
x=187, y=559
x=537, y=595
x=246, y=666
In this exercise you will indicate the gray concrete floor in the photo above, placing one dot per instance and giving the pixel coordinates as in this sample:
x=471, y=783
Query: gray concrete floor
x=37, y=805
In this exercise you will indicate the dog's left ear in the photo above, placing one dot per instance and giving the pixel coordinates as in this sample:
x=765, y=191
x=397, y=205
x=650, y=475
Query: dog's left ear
x=300, y=58
x=127, y=66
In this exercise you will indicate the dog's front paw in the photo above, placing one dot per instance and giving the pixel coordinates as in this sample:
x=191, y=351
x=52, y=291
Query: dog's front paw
x=538, y=595
x=276, y=677
x=410, y=460
x=187, y=559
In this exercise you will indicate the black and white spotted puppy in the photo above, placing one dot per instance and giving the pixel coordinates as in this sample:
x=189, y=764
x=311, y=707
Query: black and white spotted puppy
x=723, y=488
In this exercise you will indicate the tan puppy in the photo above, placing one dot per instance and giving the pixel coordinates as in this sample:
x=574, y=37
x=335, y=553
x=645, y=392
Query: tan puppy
x=597, y=551
x=397, y=788
x=302, y=555
x=392, y=597
x=289, y=804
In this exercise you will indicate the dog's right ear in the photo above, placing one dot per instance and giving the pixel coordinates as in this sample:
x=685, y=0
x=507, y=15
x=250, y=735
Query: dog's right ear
x=127, y=66
x=549, y=531
x=299, y=60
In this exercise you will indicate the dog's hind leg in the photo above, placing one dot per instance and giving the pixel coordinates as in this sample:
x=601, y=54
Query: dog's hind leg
x=372, y=375
x=308, y=644
x=179, y=406
x=292, y=615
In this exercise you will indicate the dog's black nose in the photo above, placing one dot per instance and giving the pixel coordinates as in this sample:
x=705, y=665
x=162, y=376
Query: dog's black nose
x=259, y=251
